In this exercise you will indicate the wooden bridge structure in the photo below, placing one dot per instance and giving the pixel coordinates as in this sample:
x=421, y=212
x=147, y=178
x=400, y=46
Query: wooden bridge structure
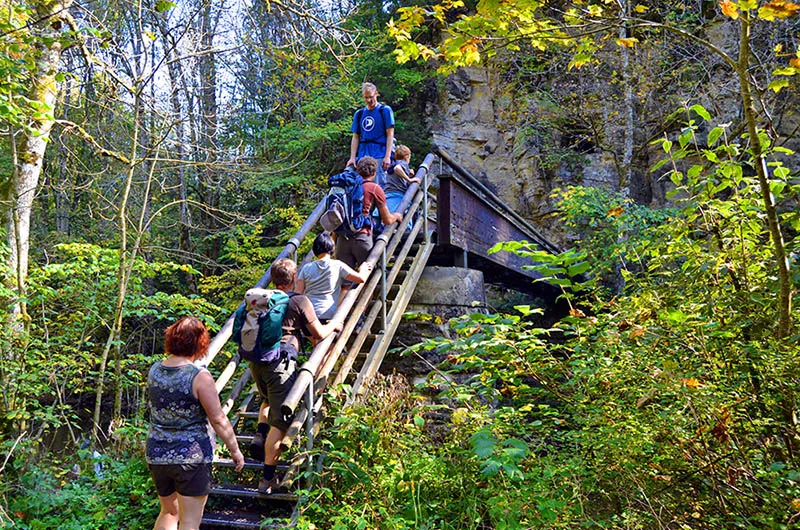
x=461, y=222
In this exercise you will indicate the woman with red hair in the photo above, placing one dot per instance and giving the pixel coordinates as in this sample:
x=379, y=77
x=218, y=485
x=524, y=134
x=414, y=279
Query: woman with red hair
x=184, y=413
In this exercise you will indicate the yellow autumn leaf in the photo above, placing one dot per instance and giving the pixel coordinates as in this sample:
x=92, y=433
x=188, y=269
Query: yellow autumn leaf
x=779, y=9
x=595, y=10
x=638, y=331
x=628, y=42
x=472, y=57
x=747, y=5
x=795, y=63
x=778, y=48
x=729, y=9
x=577, y=313
x=579, y=60
x=640, y=8
x=796, y=504
x=691, y=383
x=778, y=84
x=615, y=212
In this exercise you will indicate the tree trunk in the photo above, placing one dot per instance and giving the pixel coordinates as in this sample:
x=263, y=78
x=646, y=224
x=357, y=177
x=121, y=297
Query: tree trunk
x=115, y=332
x=34, y=139
x=184, y=220
x=760, y=163
x=209, y=188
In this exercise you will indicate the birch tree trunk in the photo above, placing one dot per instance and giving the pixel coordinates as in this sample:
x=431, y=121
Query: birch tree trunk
x=34, y=139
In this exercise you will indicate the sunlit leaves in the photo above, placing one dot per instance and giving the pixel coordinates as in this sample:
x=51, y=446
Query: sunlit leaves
x=628, y=42
x=164, y=5
x=700, y=111
x=495, y=24
x=776, y=85
x=729, y=9
x=778, y=9
x=579, y=60
x=714, y=135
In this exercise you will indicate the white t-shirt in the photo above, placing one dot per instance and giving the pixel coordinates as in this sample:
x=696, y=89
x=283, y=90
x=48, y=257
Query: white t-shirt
x=323, y=281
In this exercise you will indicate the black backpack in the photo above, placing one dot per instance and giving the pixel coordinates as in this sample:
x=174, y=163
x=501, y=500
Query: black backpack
x=344, y=204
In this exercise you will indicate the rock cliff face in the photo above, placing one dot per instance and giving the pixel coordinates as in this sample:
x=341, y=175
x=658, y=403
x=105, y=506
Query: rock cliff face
x=525, y=138
x=477, y=120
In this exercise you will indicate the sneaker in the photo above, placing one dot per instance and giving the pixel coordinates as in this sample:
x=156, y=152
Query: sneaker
x=269, y=485
x=257, y=447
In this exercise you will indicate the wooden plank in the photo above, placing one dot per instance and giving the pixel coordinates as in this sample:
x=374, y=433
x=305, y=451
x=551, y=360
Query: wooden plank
x=443, y=217
x=470, y=223
x=379, y=348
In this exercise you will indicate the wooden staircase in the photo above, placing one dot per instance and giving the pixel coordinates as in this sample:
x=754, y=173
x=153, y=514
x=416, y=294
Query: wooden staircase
x=373, y=312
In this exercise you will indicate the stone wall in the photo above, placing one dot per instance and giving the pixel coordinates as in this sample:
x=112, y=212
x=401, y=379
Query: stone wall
x=442, y=293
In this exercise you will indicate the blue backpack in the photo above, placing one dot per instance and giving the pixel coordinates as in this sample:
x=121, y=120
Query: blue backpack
x=344, y=204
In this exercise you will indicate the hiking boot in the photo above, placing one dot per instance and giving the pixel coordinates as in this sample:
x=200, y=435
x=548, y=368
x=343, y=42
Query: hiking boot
x=268, y=486
x=257, y=447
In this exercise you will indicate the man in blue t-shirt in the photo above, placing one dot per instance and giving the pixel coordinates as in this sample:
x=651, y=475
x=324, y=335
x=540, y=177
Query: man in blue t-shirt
x=373, y=133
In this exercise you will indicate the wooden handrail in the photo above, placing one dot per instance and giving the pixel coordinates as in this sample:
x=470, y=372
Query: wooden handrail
x=307, y=372
x=490, y=198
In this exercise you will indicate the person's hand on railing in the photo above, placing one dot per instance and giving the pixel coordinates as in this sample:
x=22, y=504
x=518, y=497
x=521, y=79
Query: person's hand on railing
x=365, y=268
x=337, y=323
x=238, y=459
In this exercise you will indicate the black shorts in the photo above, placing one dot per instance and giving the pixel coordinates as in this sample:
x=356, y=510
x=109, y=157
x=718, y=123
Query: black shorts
x=189, y=480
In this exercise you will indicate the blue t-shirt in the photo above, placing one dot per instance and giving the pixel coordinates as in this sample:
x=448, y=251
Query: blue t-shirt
x=370, y=126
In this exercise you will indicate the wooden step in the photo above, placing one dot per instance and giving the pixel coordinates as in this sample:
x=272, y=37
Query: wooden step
x=249, y=463
x=238, y=490
x=244, y=440
x=238, y=519
x=250, y=414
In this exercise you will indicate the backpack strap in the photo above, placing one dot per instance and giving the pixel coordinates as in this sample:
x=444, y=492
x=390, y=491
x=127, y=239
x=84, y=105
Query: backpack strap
x=381, y=109
x=298, y=333
x=359, y=113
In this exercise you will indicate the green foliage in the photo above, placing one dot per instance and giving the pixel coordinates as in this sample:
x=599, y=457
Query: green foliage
x=671, y=405
x=72, y=300
x=385, y=471
x=612, y=230
x=83, y=491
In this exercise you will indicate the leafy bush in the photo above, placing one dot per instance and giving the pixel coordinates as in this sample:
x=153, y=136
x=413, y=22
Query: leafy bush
x=671, y=405
x=81, y=492
x=72, y=301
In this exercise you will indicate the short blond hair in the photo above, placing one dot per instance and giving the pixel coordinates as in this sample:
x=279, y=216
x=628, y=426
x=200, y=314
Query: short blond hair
x=403, y=152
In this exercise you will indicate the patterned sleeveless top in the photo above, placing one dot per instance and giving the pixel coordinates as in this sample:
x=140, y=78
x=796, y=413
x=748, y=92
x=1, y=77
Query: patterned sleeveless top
x=179, y=432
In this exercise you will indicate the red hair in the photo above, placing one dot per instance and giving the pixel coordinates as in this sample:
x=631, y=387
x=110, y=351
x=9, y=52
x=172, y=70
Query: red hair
x=187, y=337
